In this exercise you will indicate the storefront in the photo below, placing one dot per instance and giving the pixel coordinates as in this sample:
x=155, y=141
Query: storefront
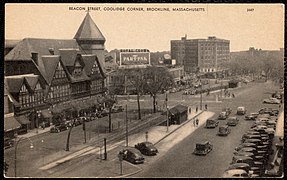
x=11, y=125
x=25, y=124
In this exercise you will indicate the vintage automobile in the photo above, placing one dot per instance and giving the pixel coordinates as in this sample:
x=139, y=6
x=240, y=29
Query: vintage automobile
x=147, y=148
x=244, y=145
x=232, y=121
x=223, y=130
x=211, y=123
x=271, y=101
x=228, y=110
x=222, y=116
x=203, y=148
x=251, y=116
x=241, y=110
x=117, y=108
x=59, y=128
x=246, y=149
x=132, y=155
x=250, y=136
x=243, y=166
x=235, y=173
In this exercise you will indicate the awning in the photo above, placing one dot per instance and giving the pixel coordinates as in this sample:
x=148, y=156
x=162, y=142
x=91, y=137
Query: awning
x=10, y=123
x=46, y=113
x=23, y=119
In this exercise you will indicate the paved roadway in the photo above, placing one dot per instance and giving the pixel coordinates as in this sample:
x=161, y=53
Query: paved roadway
x=180, y=162
x=53, y=145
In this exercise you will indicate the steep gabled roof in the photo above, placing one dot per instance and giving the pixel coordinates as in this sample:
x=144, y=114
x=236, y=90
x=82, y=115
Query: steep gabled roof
x=32, y=81
x=14, y=83
x=89, y=61
x=68, y=56
x=48, y=67
x=88, y=30
x=24, y=48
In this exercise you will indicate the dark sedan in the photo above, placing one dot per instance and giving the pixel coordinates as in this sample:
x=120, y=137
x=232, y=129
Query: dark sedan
x=147, y=148
x=132, y=155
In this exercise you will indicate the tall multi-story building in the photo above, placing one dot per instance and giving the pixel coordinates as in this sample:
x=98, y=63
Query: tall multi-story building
x=205, y=55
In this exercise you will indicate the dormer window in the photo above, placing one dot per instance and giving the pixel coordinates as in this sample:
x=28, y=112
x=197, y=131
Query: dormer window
x=78, y=69
x=95, y=69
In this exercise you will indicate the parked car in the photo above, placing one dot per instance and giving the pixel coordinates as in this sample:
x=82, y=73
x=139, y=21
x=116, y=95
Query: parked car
x=243, y=145
x=223, y=115
x=211, y=123
x=8, y=142
x=78, y=122
x=232, y=121
x=228, y=110
x=269, y=111
x=223, y=131
x=203, y=148
x=245, y=149
x=235, y=173
x=146, y=148
x=255, y=141
x=250, y=136
x=59, y=128
x=250, y=117
x=243, y=166
x=276, y=95
x=271, y=101
x=241, y=110
x=132, y=155
x=117, y=108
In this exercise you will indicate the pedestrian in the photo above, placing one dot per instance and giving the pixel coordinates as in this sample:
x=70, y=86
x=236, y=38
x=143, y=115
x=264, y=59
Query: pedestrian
x=196, y=109
x=205, y=106
x=279, y=106
x=194, y=122
x=233, y=96
x=197, y=121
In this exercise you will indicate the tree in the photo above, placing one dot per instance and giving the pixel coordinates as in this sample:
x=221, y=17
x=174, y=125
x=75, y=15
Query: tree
x=135, y=78
x=109, y=102
x=157, y=79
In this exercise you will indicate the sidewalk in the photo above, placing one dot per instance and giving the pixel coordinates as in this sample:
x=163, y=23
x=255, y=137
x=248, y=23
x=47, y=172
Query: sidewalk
x=157, y=135
x=34, y=132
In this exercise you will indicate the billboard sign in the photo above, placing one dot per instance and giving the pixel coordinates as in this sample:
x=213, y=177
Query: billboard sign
x=136, y=57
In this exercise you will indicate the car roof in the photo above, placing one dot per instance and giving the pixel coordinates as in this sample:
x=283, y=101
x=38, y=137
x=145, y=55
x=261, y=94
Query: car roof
x=235, y=171
x=239, y=165
x=203, y=142
x=242, y=157
x=241, y=107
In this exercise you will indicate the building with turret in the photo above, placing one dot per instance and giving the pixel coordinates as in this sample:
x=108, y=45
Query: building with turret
x=47, y=73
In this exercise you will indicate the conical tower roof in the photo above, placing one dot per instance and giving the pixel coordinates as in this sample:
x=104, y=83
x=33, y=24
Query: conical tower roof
x=89, y=30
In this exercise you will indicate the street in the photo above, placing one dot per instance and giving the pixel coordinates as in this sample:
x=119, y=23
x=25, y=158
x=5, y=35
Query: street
x=176, y=162
x=180, y=162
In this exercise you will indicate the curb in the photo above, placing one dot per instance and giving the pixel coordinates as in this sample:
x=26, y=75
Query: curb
x=179, y=127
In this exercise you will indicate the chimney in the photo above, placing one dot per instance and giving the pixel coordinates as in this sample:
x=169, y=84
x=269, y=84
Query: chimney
x=52, y=51
x=35, y=57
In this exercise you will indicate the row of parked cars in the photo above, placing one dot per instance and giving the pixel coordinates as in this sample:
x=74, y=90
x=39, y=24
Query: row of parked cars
x=66, y=124
x=135, y=154
x=251, y=156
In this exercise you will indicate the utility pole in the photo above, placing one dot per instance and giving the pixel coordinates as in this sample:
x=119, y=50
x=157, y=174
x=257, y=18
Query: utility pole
x=221, y=88
x=127, y=133
x=167, y=120
x=200, y=94
x=105, y=148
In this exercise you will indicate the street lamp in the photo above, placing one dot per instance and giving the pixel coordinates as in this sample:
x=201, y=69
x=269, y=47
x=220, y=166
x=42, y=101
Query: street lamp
x=15, y=151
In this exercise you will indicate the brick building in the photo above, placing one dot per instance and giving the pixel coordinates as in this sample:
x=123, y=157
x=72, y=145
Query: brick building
x=206, y=55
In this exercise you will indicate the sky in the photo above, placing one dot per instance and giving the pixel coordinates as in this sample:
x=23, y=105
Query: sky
x=245, y=25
